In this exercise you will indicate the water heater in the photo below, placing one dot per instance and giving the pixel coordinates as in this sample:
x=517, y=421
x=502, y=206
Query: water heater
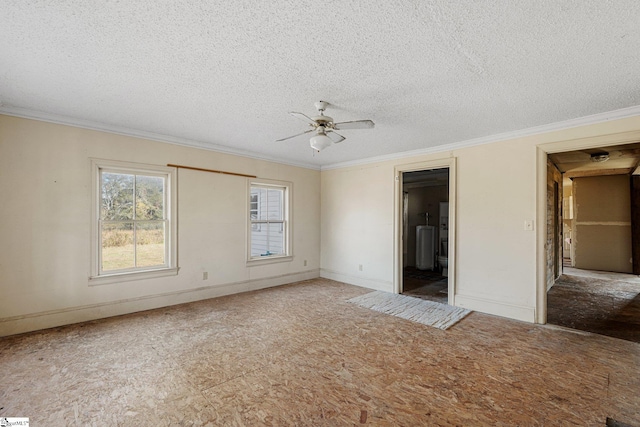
x=425, y=247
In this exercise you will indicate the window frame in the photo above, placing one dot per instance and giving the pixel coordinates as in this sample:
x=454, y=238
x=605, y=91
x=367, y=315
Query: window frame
x=170, y=268
x=286, y=221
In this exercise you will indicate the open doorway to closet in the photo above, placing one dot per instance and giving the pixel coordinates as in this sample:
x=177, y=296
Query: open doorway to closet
x=424, y=232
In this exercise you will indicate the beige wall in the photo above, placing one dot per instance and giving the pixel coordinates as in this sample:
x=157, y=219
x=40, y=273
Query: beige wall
x=500, y=267
x=602, y=223
x=495, y=271
x=45, y=180
x=357, y=225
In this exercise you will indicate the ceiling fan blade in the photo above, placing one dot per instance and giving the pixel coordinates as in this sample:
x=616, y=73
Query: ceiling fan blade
x=335, y=137
x=293, y=136
x=303, y=117
x=356, y=124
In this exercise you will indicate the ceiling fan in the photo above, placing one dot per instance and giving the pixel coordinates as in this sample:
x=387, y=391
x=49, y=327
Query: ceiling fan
x=325, y=128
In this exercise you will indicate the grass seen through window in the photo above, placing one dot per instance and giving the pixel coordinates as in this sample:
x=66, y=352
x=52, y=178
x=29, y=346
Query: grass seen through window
x=118, y=253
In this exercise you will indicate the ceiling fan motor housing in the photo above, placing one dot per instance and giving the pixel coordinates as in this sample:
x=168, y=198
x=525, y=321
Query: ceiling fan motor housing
x=323, y=120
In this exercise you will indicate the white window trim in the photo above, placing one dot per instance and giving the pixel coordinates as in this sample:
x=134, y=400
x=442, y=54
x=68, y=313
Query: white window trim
x=288, y=220
x=171, y=268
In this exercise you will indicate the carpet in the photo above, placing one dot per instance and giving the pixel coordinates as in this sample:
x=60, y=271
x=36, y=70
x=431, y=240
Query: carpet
x=428, y=313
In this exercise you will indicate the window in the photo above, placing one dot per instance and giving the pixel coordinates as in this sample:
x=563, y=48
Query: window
x=253, y=210
x=133, y=221
x=269, y=213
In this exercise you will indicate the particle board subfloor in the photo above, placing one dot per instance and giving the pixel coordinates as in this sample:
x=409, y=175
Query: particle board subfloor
x=598, y=302
x=301, y=355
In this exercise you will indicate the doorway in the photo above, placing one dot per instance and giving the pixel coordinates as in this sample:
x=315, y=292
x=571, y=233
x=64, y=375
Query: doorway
x=426, y=234
x=425, y=230
x=596, y=288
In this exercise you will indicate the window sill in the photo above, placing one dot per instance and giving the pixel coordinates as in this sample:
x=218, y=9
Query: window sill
x=269, y=260
x=137, y=275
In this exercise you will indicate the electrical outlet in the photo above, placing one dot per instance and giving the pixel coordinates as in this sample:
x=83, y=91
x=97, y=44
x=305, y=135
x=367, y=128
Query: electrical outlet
x=205, y=276
x=360, y=267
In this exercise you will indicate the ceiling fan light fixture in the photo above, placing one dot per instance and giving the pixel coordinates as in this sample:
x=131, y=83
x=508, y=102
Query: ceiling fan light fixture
x=600, y=157
x=323, y=125
x=320, y=141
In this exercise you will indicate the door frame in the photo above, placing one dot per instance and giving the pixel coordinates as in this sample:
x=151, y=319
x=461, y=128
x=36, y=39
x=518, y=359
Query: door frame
x=447, y=163
x=542, y=151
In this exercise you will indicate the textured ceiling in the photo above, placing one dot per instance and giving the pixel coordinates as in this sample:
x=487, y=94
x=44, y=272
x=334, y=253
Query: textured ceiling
x=225, y=74
x=622, y=160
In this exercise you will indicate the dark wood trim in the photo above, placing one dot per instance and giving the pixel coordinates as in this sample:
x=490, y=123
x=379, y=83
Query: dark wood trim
x=210, y=170
x=557, y=229
x=635, y=223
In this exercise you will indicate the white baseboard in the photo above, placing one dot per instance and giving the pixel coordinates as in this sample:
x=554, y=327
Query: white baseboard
x=498, y=308
x=378, y=285
x=50, y=319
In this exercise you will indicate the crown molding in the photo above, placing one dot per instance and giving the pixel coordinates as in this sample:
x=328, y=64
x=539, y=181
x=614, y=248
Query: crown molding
x=622, y=113
x=86, y=124
x=119, y=130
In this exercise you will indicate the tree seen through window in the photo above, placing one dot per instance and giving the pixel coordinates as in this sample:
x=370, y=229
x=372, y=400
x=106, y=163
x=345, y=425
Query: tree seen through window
x=132, y=221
